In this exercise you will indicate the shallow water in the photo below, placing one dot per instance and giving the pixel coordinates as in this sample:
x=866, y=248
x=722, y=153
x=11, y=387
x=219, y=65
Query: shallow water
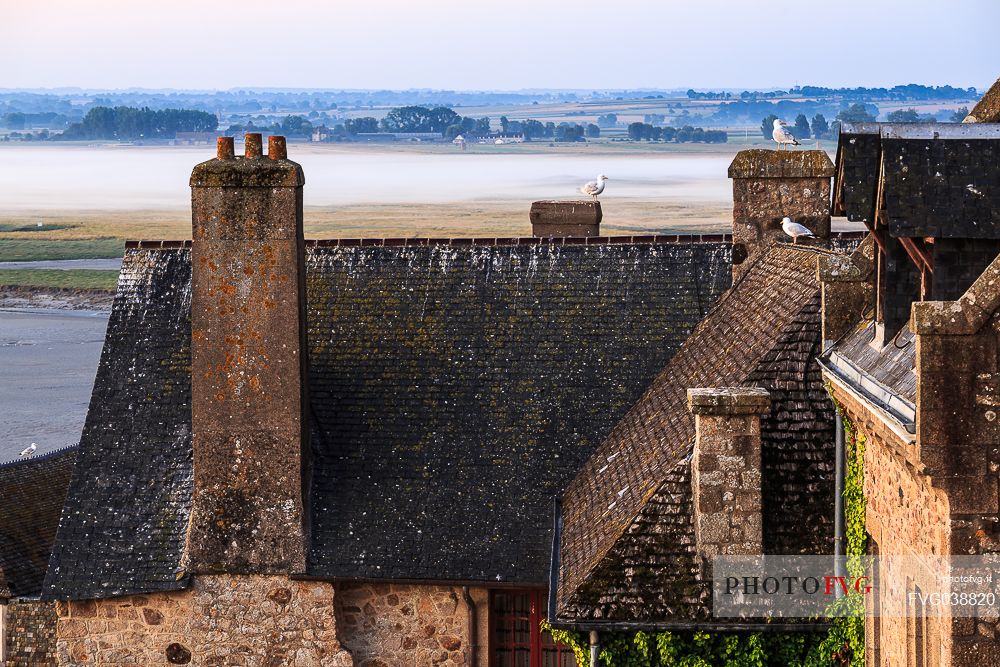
x=54, y=177
x=49, y=359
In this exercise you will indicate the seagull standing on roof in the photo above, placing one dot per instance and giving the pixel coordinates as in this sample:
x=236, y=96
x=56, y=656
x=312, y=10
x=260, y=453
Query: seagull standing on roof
x=29, y=450
x=594, y=188
x=782, y=134
x=795, y=230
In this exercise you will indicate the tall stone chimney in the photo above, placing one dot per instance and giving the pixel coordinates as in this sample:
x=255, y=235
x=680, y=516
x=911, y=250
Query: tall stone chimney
x=556, y=219
x=769, y=185
x=725, y=470
x=248, y=359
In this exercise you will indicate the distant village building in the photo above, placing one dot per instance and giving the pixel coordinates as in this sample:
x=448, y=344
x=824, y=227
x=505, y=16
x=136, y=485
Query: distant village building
x=321, y=133
x=500, y=138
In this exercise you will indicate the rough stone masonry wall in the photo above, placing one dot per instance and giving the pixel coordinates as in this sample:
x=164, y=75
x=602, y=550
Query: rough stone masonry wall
x=31, y=634
x=906, y=516
x=397, y=625
x=221, y=620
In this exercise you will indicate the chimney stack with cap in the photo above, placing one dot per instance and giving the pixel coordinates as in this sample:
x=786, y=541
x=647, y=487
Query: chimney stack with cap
x=770, y=185
x=557, y=219
x=725, y=470
x=248, y=354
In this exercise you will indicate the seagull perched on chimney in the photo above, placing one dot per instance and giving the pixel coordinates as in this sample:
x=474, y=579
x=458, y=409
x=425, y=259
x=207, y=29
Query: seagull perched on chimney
x=782, y=134
x=795, y=230
x=594, y=188
x=29, y=450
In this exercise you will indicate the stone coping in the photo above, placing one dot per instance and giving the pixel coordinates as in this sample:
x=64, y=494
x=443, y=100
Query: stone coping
x=764, y=163
x=729, y=401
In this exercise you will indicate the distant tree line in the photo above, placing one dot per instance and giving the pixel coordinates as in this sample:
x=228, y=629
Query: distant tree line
x=437, y=120
x=607, y=120
x=819, y=128
x=911, y=115
x=912, y=91
x=290, y=126
x=687, y=134
x=130, y=123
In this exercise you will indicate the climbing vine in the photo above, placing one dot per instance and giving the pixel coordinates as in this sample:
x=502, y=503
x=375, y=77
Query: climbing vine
x=842, y=645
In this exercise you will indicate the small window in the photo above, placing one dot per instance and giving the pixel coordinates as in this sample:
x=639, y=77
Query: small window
x=516, y=638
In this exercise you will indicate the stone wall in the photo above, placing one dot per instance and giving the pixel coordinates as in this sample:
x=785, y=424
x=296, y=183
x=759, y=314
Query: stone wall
x=397, y=625
x=31, y=634
x=221, y=620
x=906, y=516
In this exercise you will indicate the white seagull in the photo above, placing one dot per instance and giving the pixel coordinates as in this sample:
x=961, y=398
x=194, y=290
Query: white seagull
x=594, y=188
x=795, y=230
x=29, y=450
x=782, y=134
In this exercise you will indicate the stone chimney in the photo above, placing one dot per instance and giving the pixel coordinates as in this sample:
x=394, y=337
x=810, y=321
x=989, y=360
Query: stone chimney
x=552, y=219
x=248, y=356
x=725, y=470
x=769, y=185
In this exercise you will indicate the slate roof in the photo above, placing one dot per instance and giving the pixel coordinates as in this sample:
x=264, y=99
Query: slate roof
x=32, y=492
x=937, y=180
x=122, y=529
x=454, y=390
x=893, y=366
x=763, y=332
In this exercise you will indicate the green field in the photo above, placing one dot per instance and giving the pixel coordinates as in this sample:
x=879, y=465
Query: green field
x=28, y=250
x=104, y=281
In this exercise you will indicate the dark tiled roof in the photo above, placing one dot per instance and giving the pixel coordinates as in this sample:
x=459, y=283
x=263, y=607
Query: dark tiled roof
x=740, y=339
x=650, y=575
x=455, y=390
x=32, y=492
x=122, y=530
x=856, y=175
x=652, y=572
x=938, y=180
x=797, y=440
x=943, y=188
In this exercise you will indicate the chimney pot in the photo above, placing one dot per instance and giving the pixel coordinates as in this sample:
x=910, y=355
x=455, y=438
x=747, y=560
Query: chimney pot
x=276, y=148
x=224, y=148
x=253, y=146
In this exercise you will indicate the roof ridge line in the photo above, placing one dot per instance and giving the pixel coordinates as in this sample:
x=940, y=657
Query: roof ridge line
x=41, y=457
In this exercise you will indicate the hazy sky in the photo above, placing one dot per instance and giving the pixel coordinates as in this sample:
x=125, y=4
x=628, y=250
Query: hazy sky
x=506, y=44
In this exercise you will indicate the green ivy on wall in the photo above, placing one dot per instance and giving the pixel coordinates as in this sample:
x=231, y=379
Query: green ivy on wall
x=841, y=646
